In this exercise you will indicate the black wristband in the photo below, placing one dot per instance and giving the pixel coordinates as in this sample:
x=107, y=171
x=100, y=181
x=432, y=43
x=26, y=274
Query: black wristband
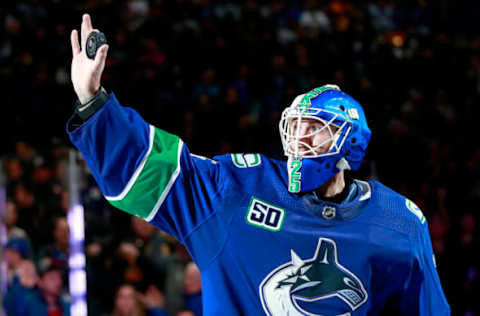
x=84, y=111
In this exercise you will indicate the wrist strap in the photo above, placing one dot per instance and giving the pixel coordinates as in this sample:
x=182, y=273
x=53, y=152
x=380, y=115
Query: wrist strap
x=84, y=111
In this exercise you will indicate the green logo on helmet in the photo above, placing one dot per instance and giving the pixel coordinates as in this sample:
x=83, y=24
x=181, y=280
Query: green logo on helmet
x=306, y=101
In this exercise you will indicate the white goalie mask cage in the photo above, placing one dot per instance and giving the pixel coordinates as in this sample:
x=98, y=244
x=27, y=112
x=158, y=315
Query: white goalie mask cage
x=296, y=143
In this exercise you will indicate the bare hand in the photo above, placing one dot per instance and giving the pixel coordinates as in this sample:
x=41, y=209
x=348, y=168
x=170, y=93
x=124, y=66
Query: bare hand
x=86, y=73
x=27, y=274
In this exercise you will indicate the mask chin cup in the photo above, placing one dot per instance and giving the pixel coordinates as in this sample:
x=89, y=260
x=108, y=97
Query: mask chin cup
x=310, y=173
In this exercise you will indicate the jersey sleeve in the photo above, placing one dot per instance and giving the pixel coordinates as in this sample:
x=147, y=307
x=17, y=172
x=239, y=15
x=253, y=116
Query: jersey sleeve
x=146, y=171
x=422, y=293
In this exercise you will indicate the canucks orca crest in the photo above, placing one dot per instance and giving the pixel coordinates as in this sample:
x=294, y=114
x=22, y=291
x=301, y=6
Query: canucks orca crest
x=318, y=278
x=324, y=277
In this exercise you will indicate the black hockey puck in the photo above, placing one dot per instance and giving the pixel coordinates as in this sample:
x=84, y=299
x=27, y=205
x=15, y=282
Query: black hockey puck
x=94, y=41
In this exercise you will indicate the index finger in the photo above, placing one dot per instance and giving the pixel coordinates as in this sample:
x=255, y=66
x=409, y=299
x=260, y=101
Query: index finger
x=74, y=42
x=86, y=29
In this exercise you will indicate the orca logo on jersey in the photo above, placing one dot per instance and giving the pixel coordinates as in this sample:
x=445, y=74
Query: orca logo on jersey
x=304, y=287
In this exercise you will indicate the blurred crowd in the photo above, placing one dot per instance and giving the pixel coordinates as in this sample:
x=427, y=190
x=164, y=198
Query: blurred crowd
x=132, y=268
x=218, y=74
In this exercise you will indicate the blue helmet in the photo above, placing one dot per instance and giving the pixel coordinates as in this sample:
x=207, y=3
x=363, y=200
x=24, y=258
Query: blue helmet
x=345, y=137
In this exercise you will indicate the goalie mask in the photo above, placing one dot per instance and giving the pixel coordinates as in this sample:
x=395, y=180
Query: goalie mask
x=323, y=132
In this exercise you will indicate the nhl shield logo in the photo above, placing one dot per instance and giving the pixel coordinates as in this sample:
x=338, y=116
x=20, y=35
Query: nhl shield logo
x=300, y=286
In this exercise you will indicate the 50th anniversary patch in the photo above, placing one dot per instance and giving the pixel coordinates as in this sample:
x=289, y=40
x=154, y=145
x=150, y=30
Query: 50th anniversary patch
x=264, y=215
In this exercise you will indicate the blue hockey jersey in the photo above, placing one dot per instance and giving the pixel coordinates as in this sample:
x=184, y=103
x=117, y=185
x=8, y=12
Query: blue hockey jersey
x=262, y=250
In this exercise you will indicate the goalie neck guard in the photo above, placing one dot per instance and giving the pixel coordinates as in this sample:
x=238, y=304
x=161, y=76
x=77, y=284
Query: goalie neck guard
x=343, y=122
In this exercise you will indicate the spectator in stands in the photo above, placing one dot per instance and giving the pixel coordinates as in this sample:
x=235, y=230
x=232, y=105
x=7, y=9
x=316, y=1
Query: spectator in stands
x=192, y=285
x=130, y=267
x=126, y=303
x=15, y=252
x=10, y=220
x=28, y=211
x=152, y=245
x=37, y=295
x=129, y=302
x=174, y=288
x=14, y=171
x=59, y=249
x=146, y=257
x=184, y=312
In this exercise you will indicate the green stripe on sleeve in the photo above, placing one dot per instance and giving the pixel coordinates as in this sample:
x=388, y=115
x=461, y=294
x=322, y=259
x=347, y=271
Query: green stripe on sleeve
x=154, y=177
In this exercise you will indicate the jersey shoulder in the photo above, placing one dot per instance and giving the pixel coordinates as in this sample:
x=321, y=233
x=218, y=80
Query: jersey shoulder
x=253, y=169
x=241, y=160
x=396, y=211
x=249, y=162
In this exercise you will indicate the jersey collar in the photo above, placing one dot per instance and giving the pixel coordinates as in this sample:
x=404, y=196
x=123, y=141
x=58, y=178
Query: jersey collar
x=359, y=192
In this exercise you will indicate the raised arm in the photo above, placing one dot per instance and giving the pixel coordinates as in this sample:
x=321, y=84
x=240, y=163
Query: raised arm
x=140, y=169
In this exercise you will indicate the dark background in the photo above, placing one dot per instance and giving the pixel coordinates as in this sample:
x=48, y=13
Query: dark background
x=219, y=73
